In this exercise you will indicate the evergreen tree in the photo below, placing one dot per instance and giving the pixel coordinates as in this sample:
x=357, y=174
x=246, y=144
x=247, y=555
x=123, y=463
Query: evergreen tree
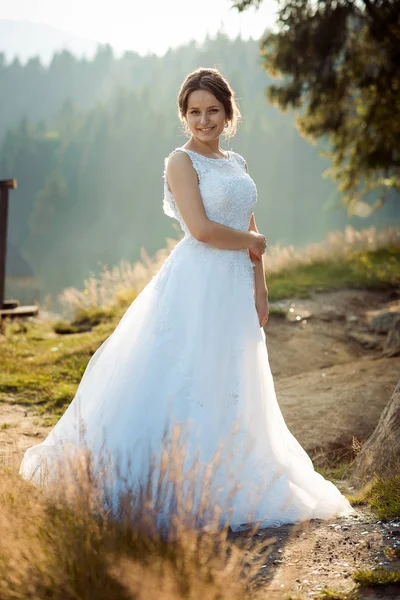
x=340, y=64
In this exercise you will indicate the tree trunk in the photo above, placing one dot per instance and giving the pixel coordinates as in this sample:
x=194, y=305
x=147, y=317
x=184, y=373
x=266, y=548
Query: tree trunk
x=380, y=454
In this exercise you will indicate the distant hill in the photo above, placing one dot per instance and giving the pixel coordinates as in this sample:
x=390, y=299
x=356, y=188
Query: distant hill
x=26, y=39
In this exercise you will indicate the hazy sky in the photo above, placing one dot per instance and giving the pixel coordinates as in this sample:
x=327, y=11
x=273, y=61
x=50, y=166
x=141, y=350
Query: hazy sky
x=143, y=25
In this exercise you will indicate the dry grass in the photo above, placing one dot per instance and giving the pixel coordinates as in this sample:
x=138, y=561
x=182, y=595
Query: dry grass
x=71, y=541
x=347, y=253
x=117, y=286
x=337, y=245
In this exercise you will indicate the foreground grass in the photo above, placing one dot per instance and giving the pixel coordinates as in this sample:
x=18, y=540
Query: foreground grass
x=42, y=369
x=376, y=577
x=382, y=496
x=365, y=579
x=65, y=543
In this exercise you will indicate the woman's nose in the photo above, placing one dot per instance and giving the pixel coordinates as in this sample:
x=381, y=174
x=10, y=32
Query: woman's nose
x=204, y=119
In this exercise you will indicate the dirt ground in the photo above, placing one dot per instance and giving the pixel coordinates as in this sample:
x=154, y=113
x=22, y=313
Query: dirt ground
x=298, y=561
x=332, y=383
x=331, y=379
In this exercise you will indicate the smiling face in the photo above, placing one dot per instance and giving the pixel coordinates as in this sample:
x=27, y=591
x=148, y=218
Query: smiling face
x=205, y=116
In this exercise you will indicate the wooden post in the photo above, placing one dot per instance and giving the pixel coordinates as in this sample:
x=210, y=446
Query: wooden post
x=5, y=185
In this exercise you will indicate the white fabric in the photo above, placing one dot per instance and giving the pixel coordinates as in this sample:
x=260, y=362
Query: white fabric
x=190, y=350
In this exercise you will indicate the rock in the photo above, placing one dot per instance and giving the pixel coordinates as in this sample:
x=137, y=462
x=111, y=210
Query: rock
x=298, y=314
x=367, y=340
x=352, y=319
x=392, y=342
x=330, y=313
x=383, y=322
x=380, y=455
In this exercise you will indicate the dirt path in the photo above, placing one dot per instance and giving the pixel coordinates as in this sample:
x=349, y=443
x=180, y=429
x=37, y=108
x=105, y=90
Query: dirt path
x=306, y=558
x=19, y=429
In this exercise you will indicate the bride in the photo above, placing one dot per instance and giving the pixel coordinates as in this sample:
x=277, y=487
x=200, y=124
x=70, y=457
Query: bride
x=190, y=350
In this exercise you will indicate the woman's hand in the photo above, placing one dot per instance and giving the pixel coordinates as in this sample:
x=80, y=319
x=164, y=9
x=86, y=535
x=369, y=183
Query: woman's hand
x=258, y=245
x=253, y=257
x=262, y=306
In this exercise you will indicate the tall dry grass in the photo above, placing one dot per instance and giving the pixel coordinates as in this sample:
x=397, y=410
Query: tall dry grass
x=119, y=285
x=337, y=245
x=67, y=538
x=116, y=286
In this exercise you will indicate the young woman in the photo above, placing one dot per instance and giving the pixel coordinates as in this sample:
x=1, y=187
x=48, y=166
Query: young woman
x=191, y=350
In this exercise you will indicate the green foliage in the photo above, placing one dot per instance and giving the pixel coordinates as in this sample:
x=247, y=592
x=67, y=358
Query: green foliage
x=382, y=495
x=339, y=64
x=85, y=319
x=373, y=270
x=336, y=471
x=42, y=370
x=66, y=327
x=376, y=577
x=276, y=311
x=329, y=594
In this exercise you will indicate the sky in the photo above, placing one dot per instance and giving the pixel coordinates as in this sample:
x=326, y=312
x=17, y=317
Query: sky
x=141, y=25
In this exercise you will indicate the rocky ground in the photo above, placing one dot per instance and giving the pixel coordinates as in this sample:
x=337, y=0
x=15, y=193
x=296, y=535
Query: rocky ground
x=300, y=561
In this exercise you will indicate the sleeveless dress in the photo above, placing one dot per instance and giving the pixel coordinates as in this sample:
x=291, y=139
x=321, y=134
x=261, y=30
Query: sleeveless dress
x=189, y=350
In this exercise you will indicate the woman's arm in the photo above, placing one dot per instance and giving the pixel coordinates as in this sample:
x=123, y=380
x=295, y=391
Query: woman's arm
x=259, y=273
x=183, y=183
x=260, y=286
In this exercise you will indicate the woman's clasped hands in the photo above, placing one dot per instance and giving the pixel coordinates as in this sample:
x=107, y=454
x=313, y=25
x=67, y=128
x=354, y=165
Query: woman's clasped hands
x=258, y=245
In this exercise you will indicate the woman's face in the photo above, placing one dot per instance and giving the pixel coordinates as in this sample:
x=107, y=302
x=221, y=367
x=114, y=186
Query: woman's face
x=205, y=116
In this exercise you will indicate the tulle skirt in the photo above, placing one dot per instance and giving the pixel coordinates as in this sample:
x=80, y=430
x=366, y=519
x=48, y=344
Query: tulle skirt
x=189, y=353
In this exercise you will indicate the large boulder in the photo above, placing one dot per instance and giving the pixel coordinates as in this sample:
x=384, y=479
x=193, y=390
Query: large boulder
x=380, y=454
x=392, y=342
x=384, y=321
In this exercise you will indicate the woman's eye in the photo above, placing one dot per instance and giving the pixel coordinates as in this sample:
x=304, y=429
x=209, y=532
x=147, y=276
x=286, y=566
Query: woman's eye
x=193, y=112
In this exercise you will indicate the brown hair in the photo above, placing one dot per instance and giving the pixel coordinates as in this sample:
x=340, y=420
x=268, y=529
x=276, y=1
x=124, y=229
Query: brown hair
x=211, y=80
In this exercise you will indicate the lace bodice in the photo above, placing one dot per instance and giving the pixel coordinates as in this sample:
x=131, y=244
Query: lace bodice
x=228, y=192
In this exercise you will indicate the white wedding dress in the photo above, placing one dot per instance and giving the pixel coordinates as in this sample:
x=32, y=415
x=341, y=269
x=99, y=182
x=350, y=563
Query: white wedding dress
x=190, y=350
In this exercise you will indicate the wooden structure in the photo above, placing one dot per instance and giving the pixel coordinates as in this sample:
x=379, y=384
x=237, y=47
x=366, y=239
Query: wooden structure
x=8, y=308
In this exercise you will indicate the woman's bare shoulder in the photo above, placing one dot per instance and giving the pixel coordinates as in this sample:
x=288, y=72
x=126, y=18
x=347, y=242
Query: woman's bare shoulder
x=178, y=160
x=178, y=156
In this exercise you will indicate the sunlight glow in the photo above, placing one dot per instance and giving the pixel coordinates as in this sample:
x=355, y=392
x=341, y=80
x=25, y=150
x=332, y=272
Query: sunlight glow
x=144, y=26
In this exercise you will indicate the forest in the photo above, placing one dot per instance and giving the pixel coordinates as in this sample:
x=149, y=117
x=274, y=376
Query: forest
x=86, y=141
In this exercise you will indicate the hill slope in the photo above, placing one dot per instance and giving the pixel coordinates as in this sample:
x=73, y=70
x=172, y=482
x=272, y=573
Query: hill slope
x=26, y=39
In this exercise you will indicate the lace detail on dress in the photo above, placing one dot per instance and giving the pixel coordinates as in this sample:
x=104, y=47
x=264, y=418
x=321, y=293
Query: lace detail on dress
x=228, y=192
x=241, y=160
